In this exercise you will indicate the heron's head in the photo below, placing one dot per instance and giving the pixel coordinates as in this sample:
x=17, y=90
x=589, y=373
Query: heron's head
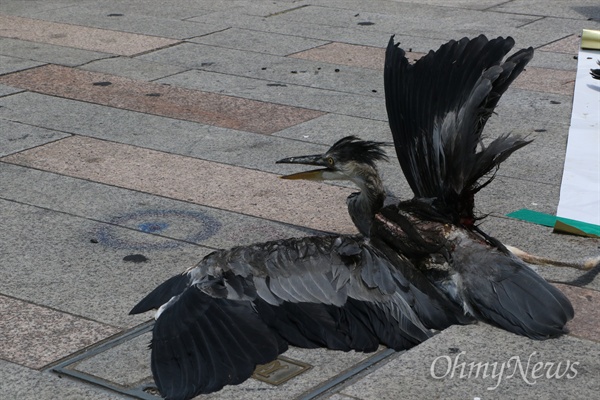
x=349, y=159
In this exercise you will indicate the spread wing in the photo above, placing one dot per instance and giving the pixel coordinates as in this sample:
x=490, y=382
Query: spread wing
x=437, y=109
x=244, y=306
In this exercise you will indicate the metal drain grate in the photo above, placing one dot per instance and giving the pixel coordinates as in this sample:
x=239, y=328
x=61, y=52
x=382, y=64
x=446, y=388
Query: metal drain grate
x=141, y=391
x=107, y=364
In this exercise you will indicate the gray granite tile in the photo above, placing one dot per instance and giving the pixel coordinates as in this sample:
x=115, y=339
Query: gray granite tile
x=26, y=384
x=152, y=98
x=189, y=179
x=557, y=60
x=365, y=105
x=186, y=138
x=16, y=136
x=13, y=64
x=47, y=53
x=392, y=7
x=257, y=41
x=34, y=336
x=130, y=18
x=427, y=371
x=537, y=106
x=132, y=68
x=8, y=90
x=56, y=260
x=331, y=127
x=293, y=71
x=582, y=9
x=550, y=29
x=449, y=21
x=115, y=208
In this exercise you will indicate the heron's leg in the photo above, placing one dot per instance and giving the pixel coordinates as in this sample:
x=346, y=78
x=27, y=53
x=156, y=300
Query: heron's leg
x=584, y=265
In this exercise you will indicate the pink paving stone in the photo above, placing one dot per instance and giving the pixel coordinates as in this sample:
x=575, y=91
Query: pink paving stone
x=349, y=54
x=538, y=79
x=586, y=303
x=569, y=45
x=153, y=98
x=81, y=37
x=252, y=192
x=34, y=336
x=547, y=80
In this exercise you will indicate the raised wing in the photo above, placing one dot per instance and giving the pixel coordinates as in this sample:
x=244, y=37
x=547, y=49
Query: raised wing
x=242, y=307
x=437, y=109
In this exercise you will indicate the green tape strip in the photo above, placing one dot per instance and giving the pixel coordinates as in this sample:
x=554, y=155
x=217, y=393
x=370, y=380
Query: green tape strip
x=533, y=216
x=559, y=224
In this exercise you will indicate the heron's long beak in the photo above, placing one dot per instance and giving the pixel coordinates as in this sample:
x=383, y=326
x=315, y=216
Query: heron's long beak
x=314, y=175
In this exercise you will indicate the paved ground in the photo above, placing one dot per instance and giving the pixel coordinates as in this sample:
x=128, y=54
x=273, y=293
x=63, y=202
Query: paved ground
x=151, y=128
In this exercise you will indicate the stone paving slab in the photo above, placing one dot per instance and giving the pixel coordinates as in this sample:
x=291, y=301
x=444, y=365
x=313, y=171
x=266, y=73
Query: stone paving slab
x=360, y=35
x=584, y=9
x=257, y=41
x=585, y=302
x=555, y=60
x=57, y=260
x=126, y=17
x=20, y=136
x=127, y=365
x=350, y=55
x=132, y=68
x=469, y=21
x=178, y=9
x=365, y=105
x=69, y=242
x=549, y=29
x=539, y=107
x=569, y=45
x=12, y=64
x=151, y=172
x=6, y=90
x=509, y=194
x=114, y=208
x=393, y=7
x=574, y=363
x=160, y=133
x=80, y=37
x=329, y=128
x=47, y=53
x=288, y=70
x=26, y=384
x=35, y=336
x=533, y=78
x=219, y=110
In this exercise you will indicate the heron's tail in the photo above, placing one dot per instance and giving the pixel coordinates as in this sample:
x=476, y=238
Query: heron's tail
x=437, y=109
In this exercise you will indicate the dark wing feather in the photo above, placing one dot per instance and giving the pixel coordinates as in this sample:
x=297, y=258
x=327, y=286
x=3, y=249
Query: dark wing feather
x=163, y=293
x=242, y=307
x=437, y=109
x=502, y=290
x=200, y=344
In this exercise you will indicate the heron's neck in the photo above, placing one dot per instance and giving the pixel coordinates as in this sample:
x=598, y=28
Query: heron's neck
x=363, y=205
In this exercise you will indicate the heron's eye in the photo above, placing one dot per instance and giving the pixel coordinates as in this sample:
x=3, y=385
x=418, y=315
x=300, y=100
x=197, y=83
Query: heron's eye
x=330, y=161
